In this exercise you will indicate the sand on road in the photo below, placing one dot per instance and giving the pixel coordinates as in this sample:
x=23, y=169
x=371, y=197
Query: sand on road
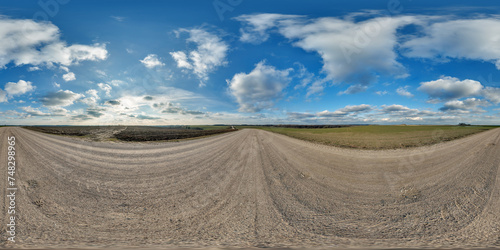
x=251, y=188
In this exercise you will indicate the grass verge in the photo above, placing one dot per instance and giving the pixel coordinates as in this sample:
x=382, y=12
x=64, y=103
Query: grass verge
x=378, y=136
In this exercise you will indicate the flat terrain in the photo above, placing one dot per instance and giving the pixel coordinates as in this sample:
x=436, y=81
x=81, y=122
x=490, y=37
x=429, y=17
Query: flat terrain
x=132, y=133
x=252, y=188
x=379, y=137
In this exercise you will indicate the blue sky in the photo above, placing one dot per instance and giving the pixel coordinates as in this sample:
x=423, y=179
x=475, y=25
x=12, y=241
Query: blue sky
x=249, y=62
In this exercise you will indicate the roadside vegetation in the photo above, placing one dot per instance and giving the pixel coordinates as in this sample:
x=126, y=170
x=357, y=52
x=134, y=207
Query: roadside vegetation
x=377, y=136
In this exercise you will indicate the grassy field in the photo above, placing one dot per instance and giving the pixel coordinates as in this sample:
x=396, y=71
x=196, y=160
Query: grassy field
x=378, y=137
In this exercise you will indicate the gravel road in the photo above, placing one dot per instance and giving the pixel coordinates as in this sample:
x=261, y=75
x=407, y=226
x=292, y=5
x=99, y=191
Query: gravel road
x=251, y=188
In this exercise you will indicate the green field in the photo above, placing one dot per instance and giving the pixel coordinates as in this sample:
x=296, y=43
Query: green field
x=378, y=137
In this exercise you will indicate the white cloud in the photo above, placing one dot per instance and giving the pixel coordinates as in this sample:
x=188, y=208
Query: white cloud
x=475, y=39
x=314, y=84
x=3, y=96
x=348, y=114
x=34, y=68
x=106, y=87
x=357, y=52
x=181, y=58
x=70, y=76
x=57, y=85
x=258, y=89
x=316, y=87
x=394, y=108
x=403, y=91
x=25, y=41
x=347, y=110
x=64, y=68
x=354, y=89
x=167, y=102
x=116, y=82
x=447, y=88
x=171, y=108
x=152, y=61
x=60, y=98
x=381, y=92
x=18, y=88
x=55, y=111
x=210, y=53
x=467, y=105
x=492, y=94
x=352, y=52
x=101, y=73
x=399, y=113
x=257, y=26
x=34, y=111
x=91, y=97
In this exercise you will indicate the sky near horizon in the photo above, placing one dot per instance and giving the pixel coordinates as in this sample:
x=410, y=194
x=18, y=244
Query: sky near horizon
x=98, y=62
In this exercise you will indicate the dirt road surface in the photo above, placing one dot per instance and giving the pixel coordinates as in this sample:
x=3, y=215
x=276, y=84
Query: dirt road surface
x=251, y=188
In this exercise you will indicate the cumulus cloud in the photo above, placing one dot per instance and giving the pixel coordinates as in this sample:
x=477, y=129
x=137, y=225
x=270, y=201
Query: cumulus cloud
x=256, y=27
x=34, y=111
x=314, y=84
x=113, y=102
x=116, y=82
x=106, y=87
x=347, y=114
x=403, y=112
x=475, y=39
x=91, y=97
x=181, y=58
x=25, y=41
x=357, y=52
x=95, y=112
x=171, y=108
x=157, y=103
x=403, y=91
x=209, y=54
x=18, y=88
x=258, y=89
x=394, y=108
x=447, y=88
x=347, y=110
x=60, y=98
x=81, y=118
x=70, y=76
x=465, y=106
x=492, y=94
x=354, y=89
x=152, y=61
x=3, y=96
x=352, y=52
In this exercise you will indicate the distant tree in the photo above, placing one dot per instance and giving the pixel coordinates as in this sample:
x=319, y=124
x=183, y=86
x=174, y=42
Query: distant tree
x=463, y=124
